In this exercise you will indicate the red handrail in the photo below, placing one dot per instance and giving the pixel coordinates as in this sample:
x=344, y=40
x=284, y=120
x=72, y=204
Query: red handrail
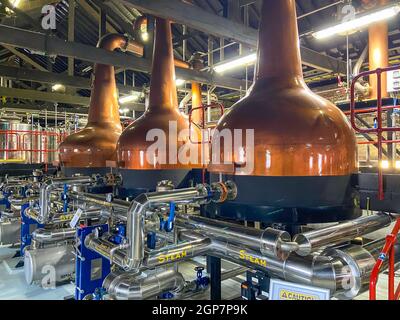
x=203, y=109
x=19, y=142
x=388, y=251
x=379, y=130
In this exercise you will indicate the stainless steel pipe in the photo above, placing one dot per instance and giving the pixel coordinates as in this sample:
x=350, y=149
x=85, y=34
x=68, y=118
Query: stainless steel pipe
x=133, y=286
x=48, y=186
x=278, y=243
x=268, y=241
x=136, y=215
x=100, y=200
x=313, y=240
x=345, y=271
x=53, y=235
x=155, y=258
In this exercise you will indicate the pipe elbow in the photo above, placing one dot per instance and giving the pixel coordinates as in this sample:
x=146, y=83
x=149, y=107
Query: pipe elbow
x=131, y=264
x=113, y=41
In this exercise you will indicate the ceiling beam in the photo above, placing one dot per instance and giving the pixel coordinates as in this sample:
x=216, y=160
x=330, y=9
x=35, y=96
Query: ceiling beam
x=126, y=27
x=247, y=2
x=95, y=15
x=209, y=23
x=34, y=108
x=24, y=57
x=43, y=96
x=51, y=45
x=53, y=78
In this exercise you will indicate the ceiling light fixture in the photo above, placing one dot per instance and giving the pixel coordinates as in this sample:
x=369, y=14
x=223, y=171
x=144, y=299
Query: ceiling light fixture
x=235, y=63
x=358, y=23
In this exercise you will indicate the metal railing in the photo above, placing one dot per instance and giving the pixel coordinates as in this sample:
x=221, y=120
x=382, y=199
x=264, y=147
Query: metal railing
x=388, y=252
x=379, y=130
x=204, y=125
x=32, y=146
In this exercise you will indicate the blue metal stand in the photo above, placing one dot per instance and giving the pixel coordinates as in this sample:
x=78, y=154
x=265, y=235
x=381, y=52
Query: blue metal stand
x=214, y=270
x=28, y=225
x=5, y=202
x=91, y=268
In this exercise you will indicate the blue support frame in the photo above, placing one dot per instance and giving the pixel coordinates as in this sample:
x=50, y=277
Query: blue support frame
x=86, y=280
x=26, y=223
x=5, y=201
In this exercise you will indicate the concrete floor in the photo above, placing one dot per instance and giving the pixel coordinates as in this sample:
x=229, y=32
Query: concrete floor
x=14, y=287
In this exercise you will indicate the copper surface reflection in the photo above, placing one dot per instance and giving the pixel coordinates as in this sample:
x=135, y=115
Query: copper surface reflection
x=296, y=132
x=96, y=143
x=137, y=146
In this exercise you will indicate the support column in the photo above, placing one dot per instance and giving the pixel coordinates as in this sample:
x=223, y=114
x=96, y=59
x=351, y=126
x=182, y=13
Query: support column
x=214, y=270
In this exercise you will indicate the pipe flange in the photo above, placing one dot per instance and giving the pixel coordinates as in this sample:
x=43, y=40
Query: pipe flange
x=220, y=192
x=271, y=241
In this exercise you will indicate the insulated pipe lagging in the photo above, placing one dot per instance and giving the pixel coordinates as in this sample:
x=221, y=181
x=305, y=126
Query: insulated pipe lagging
x=136, y=217
x=156, y=258
x=344, y=271
x=278, y=243
x=313, y=240
x=48, y=186
x=53, y=235
x=334, y=269
x=268, y=241
x=130, y=286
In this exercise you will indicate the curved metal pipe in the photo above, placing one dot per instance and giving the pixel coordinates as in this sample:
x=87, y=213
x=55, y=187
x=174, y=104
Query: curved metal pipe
x=53, y=235
x=131, y=286
x=268, y=241
x=313, y=240
x=136, y=215
x=48, y=186
x=333, y=269
x=100, y=200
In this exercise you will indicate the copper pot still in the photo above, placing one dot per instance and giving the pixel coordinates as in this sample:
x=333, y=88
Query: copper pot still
x=96, y=144
x=136, y=146
x=304, y=148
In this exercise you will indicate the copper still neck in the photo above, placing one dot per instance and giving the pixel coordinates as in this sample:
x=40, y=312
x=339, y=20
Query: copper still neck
x=279, y=46
x=378, y=35
x=103, y=106
x=197, y=115
x=162, y=85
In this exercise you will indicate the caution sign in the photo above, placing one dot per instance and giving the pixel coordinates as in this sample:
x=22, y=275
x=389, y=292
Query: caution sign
x=282, y=290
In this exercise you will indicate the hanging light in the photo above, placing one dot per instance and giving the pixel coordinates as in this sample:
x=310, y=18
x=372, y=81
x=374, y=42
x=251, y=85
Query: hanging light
x=58, y=87
x=358, y=23
x=179, y=82
x=128, y=99
x=235, y=63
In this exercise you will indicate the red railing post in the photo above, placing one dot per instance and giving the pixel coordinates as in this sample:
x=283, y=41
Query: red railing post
x=388, y=252
x=380, y=129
